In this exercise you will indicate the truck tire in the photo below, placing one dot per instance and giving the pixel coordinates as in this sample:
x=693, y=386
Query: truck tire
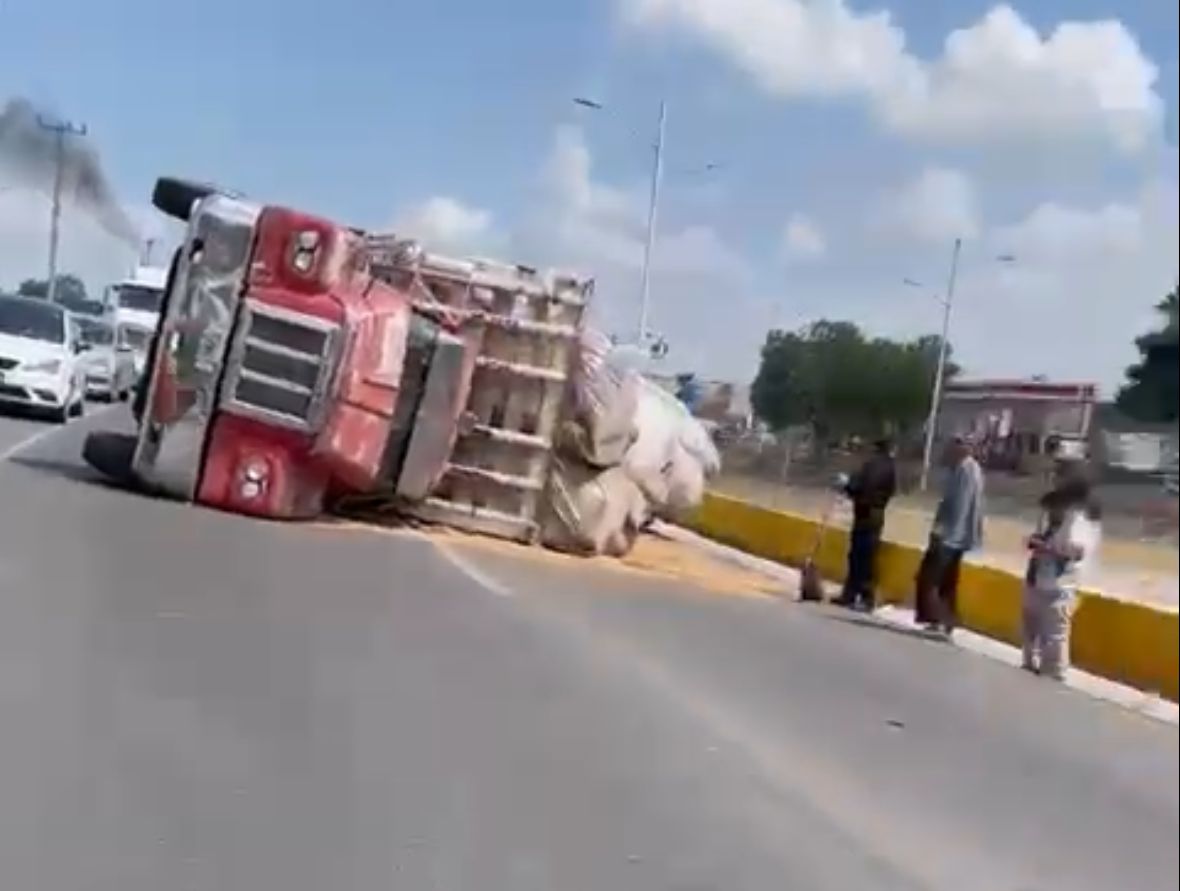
x=111, y=455
x=176, y=197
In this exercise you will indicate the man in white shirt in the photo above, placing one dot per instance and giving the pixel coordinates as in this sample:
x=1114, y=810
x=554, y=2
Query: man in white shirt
x=1063, y=549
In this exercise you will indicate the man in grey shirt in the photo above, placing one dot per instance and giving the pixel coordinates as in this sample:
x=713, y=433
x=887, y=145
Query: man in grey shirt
x=957, y=529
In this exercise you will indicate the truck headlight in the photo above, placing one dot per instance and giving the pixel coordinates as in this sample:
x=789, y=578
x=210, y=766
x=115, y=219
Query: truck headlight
x=45, y=366
x=254, y=474
x=305, y=248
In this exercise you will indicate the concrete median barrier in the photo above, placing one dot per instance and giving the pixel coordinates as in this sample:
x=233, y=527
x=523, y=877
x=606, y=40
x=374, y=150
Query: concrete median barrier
x=1132, y=643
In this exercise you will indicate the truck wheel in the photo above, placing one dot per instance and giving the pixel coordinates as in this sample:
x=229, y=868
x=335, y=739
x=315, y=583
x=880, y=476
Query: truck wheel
x=111, y=454
x=176, y=197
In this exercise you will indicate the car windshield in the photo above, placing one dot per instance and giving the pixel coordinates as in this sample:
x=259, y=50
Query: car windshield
x=139, y=298
x=96, y=333
x=82, y=306
x=32, y=319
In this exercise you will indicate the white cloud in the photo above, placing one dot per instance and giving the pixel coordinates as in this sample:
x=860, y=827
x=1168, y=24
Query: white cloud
x=938, y=205
x=1082, y=288
x=699, y=250
x=998, y=79
x=1057, y=232
x=803, y=239
x=568, y=174
x=791, y=47
x=443, y=223
x=583, y=222
x=588, y=221
x=1085, y=278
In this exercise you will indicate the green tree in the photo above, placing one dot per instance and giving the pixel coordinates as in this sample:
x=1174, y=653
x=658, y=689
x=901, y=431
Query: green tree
x=829, y=375
x=33, y=287
x=1152, y=392
x=71, y=290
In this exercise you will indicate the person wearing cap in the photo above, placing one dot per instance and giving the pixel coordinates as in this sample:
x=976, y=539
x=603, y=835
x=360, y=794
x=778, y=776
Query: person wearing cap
x=870, y=489
x=957, y=529
x=1062, y=548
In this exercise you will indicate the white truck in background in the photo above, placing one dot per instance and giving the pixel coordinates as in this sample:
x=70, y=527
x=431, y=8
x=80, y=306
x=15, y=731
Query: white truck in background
x=135, y=303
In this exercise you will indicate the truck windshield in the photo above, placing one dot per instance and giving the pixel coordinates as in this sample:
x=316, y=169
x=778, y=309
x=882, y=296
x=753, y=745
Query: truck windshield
x=96, y=333
x=33, y=319
x=139, y=298
x=134, y=338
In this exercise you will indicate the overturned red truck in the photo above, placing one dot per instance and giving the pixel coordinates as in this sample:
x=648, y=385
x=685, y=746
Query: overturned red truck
x=298, y=362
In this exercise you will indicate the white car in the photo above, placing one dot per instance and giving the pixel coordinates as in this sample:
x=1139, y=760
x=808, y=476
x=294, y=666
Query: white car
x=110, y=366
x=41, y=358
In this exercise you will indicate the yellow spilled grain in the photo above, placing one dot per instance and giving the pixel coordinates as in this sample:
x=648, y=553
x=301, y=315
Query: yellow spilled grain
x=652, y=556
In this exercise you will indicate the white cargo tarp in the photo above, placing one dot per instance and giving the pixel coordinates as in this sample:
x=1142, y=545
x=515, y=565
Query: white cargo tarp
x=628, y=452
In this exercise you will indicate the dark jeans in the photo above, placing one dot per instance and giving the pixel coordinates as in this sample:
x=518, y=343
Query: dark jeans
x=938, y=586
x=862, y=559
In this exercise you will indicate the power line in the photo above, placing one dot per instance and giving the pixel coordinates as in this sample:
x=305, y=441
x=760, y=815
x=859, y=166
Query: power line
x=60, y=131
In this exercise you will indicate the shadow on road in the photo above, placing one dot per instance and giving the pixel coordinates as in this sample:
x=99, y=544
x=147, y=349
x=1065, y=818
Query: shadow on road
x=71, y=470
x=867, y=621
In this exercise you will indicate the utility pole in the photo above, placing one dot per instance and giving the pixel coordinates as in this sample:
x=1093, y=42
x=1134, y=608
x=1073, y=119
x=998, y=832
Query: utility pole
x=60, y=131
x=652, y=210
x=940, y=371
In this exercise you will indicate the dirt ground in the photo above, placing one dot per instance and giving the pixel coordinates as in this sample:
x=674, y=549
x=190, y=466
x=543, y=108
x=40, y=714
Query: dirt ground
x=1129, y=566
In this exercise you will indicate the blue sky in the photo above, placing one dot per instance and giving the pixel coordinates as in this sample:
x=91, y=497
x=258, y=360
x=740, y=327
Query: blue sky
x=454, y=120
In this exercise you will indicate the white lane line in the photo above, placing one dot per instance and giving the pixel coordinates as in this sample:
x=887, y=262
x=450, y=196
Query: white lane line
x=14, y=450
x=45, y=432
x=472, y=571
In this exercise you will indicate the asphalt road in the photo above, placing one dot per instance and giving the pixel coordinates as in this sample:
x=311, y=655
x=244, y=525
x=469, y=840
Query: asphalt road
x=197, y=701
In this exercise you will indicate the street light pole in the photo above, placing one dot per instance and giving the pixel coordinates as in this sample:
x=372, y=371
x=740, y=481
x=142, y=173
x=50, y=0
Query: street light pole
x=652, y=211
x=940, y=370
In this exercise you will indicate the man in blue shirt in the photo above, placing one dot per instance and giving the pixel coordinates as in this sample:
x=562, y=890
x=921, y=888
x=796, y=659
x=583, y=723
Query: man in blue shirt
x=957, y=529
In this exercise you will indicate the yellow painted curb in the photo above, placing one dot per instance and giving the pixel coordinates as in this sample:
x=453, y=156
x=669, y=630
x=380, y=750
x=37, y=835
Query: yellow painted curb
x=1132, y=643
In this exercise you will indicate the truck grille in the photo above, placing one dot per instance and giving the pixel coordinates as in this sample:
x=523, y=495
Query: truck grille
x=280, y=366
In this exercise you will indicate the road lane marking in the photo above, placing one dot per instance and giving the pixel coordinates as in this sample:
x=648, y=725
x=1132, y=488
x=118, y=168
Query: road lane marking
x=45, y=432
x=14, y=450
x=472, y=571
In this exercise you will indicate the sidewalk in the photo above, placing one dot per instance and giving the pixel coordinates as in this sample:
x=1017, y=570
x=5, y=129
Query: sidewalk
x=902, y=619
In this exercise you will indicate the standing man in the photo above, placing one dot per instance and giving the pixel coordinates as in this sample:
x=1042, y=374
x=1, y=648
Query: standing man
x=957, y=529
x=870, y=489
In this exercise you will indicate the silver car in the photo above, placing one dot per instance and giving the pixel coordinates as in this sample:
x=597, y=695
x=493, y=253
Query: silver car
x=110, y=365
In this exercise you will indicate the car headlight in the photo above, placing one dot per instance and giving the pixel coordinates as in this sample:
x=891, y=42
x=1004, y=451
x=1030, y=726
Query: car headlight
x=45, y=366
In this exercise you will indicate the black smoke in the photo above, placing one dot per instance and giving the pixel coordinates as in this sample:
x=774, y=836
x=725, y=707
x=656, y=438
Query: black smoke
x=28, y=152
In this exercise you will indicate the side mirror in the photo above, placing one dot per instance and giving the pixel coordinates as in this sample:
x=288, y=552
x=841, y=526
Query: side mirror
x=124, y=348
x=81, y=346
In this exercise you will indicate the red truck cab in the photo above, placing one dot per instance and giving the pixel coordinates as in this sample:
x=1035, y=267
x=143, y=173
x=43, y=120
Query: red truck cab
x=297, y=360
